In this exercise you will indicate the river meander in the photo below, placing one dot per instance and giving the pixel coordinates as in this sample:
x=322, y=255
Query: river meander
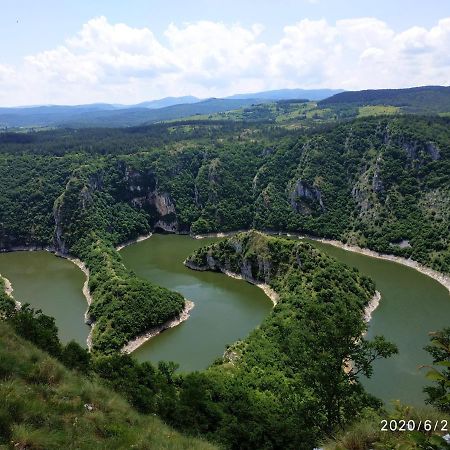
x=412, y=304
x=227, y=309
x=51, y=284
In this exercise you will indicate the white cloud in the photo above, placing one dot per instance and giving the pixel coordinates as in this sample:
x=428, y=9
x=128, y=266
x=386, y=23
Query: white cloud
x=119, y=63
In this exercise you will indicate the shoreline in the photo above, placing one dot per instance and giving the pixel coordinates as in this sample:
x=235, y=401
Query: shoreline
x=86, y=293
x=9, y=291
x=85, y=289
x=152, y=332
x=371, y=307
x=220, y=234
x=133, y=241
x=411, y=263
x=80, y=264
x=273, y=296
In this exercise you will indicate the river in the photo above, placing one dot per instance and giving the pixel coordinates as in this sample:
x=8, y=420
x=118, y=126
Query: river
x=412, y=304
x=226, y=309
x=51, y=284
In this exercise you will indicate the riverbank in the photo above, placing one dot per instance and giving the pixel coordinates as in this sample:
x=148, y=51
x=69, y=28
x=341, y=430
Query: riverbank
x=347, y=364
x=220, y=234
x=438, y=276
x=9, y=291
x=87, y=295
x=79, y=264
x=273, y=296
x=171, y=323
x=133, y=241
x=371, y=307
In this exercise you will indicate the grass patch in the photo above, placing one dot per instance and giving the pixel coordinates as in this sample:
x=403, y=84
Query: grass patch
x=377, y=110
x=43, y=405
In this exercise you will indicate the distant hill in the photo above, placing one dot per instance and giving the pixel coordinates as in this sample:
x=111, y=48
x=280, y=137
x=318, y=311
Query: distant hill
x=169, y=101
x=420, y=100
x=424, y=99
x=111, y=116
x=168, y=108
x=288, y=94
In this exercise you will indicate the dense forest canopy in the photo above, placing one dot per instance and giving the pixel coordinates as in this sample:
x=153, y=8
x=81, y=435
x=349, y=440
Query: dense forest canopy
x=376, y=182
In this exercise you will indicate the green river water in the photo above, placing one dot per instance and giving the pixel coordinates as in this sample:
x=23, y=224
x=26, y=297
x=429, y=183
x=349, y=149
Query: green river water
x=227, y=309
x=51, y=284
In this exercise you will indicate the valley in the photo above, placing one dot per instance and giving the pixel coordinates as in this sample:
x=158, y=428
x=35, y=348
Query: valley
x=239, y=366
x=233, y=308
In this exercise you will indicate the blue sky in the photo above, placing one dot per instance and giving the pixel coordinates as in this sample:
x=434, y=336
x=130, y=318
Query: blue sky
x=260, y=44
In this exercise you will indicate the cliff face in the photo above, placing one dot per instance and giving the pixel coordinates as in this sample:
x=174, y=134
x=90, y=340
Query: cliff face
x=73, y=206
x=300, y=191
x=373, y=182
x=142, y=191
x=259, y=258
x=258, y=269
x=90, y=203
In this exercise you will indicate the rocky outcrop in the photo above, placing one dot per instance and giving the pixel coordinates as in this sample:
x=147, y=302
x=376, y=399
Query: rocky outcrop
x=377, y=182
x=59, y=231
x=418, y=150
x=433, y=150
x=166, y=211
x=77, y=198
x=366, y=189
x=142, y=191
x=302, y=190
x=256, y=268
x=245, y=274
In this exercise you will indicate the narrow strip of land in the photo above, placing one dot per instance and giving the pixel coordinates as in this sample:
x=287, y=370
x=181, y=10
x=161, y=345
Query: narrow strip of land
x=152, y=332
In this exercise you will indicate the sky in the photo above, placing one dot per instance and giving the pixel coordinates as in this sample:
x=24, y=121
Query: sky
x=128, y=51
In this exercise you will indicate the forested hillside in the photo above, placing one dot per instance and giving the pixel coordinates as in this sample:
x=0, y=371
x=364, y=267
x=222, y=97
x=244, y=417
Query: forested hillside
x=424, y=99
x=47, y=406
x=381, y=183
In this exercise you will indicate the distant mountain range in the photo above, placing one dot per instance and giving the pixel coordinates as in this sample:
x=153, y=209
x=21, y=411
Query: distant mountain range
x=168, y=108
x=426, y=99
x=168, y=101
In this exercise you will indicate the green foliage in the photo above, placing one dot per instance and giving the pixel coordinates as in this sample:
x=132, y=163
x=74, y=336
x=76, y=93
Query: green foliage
x=45, y=406
x=76, y=357
x=292, y=366
x=366, y=433
x=37, y=328
x=439, y=349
